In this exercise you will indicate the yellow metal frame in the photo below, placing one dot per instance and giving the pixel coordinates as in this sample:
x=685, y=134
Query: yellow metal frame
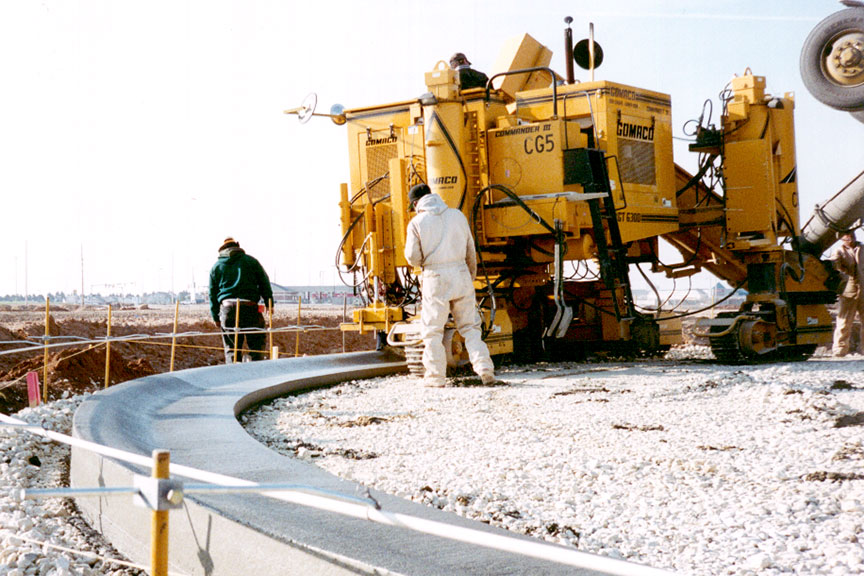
x=377, y=316
x=759, y=167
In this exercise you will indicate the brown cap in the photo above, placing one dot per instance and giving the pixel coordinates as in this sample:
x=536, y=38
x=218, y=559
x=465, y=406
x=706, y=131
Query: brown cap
x=229, y=242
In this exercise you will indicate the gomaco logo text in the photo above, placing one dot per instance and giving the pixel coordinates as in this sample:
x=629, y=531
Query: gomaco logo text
x=635, y=131
x=380, y=141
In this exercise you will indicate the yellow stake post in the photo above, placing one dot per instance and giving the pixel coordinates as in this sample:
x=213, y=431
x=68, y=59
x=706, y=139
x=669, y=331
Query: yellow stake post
x=236, y=327
x=270, y=332
x=297, y=341
x=174, y=334
x=159, y=522
x=45, y=350
x=108, y=351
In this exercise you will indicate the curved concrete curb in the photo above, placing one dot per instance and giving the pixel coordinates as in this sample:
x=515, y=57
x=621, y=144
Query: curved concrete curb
x=193, y=414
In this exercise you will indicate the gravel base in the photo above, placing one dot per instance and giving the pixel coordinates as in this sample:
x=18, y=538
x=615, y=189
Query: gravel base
x=693, y=467
x=32, y=462
x=683, y=465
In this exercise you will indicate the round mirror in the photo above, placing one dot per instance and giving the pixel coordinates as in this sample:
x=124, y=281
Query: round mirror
x=307, y=108
x=581, y=53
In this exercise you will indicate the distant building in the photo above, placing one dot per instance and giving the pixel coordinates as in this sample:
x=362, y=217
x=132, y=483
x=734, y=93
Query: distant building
x=158, y=298
x=313, y=294
x=693, y=297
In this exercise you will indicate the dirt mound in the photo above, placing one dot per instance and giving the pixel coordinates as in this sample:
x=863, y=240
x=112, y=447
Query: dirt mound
x=73, y=370
x=9, y=340
x=7, y=335
x=79, y=366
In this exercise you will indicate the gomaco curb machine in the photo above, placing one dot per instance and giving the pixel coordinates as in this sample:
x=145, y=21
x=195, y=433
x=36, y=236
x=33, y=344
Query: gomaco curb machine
x=569, y=185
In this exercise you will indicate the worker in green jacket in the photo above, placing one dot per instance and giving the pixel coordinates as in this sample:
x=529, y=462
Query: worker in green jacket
x=237, y=283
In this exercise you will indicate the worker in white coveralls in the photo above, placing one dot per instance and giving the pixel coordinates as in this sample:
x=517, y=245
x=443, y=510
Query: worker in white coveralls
x=440, y=242
x=848, y=260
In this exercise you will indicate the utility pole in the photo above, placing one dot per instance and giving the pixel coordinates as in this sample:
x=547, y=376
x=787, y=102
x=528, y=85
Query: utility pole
x=26, y=293
x=194, y=297
x=82, y=275
x=173, y=296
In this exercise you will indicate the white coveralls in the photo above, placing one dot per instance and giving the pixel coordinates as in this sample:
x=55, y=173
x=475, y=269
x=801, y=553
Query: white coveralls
x=439, y=240
x=851, y=300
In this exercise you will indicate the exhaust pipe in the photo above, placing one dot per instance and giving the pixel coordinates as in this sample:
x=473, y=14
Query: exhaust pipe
x=568, y=51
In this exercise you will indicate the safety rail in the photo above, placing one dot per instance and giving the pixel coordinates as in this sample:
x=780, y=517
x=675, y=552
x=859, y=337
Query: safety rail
x=160, y=494
x=48, y=342
x=38, y=343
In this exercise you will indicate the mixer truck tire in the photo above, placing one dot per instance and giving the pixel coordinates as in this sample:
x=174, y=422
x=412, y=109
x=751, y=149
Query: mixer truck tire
x=858, y=115
x=832, y=60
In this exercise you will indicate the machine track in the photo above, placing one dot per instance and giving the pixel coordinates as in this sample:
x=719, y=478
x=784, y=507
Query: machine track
x=727, y=348
x=414, y=359
x=797, y=353
x=413, y=352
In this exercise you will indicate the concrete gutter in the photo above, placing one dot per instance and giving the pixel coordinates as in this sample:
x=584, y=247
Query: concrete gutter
x=193, y=413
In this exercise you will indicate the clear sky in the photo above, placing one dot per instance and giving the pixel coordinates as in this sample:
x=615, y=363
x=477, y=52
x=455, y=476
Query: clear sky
x=141, y=133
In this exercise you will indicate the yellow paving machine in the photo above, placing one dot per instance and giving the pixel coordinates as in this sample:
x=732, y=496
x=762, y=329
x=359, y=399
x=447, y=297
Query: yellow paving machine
x=567, y=187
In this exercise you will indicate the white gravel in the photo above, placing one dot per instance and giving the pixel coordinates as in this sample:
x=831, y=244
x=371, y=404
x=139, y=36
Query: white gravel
x=693, y=467
x=30, y=461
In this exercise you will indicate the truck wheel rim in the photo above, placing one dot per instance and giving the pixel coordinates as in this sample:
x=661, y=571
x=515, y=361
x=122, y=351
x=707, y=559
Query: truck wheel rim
x=843, y=59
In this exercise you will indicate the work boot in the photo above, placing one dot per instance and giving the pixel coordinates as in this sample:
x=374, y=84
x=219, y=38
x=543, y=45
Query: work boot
x=487, y=378
x=434, y=382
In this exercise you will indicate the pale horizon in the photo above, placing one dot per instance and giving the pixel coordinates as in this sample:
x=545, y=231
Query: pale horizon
x=141, y=134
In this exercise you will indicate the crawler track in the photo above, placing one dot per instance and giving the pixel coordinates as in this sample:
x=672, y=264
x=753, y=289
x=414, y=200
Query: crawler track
x=727, y=350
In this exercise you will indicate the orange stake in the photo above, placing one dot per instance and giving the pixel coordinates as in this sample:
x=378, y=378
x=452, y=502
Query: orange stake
x=45, y=350
x=174, y=334
x=159, y=521
x=270, y=332
x=108, y=351
x=236, y=327
x=297, y=341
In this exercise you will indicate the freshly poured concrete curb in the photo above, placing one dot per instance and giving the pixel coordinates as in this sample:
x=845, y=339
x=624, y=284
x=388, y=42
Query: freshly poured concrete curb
x=193, y=414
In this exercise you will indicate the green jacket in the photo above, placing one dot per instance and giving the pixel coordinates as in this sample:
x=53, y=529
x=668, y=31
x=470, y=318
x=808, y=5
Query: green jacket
x=237, y=275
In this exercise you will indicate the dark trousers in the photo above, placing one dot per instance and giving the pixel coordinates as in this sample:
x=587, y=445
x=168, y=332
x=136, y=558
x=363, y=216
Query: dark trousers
x=249, y=318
